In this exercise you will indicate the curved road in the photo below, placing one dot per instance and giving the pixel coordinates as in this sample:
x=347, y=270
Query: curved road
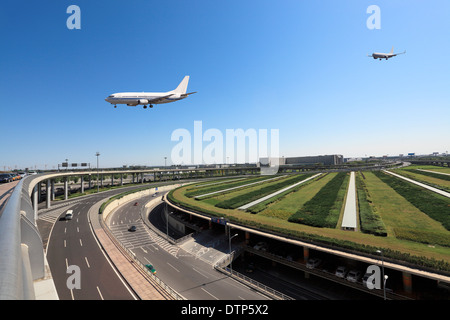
x=183, y=271
x=73, y=242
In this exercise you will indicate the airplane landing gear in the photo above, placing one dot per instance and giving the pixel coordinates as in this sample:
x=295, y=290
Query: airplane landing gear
x=151, y=106
x=145, y=107
x=115, y=106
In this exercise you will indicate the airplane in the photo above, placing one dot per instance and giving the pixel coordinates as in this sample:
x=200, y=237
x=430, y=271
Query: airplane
x=151, y=98
x=377, y=55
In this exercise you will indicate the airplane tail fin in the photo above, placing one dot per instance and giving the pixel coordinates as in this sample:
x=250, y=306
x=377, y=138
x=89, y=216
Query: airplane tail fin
x=392, y=50
x=182, y=87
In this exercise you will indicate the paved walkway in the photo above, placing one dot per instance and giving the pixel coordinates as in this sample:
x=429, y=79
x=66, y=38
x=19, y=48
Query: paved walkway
x=248, y=205
x=447, y=174
x=245, y=185
x=441, y=192
x=350, y=212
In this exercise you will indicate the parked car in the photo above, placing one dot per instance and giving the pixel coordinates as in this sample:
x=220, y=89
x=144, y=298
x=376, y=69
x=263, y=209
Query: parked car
x=366, y=277
x=250, y=267
x=354, y=276
x=313, y=263
x=341, y=272
x=5, y=178
x=132, y=228
x=260, y=246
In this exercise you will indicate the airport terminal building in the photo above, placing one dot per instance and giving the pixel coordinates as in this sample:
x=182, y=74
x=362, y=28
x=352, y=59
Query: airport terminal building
x=328, y=160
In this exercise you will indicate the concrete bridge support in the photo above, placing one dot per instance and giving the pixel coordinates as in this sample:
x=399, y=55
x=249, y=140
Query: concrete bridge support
x=49, y=193
x=407, y=282
x=66, y=188
x=305, y=254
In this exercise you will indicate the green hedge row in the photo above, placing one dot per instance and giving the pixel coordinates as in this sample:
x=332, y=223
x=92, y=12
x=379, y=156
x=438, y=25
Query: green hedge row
x=393, y=255
x=193, y=192
x=242, y=199
x=427, y=237
x=316, y=211
x=435, y=206
x=370, y=221
x=263, y=205
x=432, y=174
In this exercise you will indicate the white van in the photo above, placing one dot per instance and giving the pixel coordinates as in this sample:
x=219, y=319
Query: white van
x=69, y=214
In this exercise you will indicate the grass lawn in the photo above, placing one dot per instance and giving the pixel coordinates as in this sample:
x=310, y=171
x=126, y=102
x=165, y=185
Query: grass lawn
x=291, y=203
x=432, y=181
x=395, y=211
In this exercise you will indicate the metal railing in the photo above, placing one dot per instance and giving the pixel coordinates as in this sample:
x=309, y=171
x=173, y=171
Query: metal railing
x=22, y=258
x=142, y=268
x=222, y=266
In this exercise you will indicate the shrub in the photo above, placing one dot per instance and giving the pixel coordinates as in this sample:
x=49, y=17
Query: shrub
x=242, y=199
x=370, y=221
x=435, y=206
x=316, y=211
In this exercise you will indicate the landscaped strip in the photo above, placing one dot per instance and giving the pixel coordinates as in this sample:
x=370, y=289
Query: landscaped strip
x=316, y=212
x=370, y=221
x=262, y=199
x=434, y=205
x=226, y=187
x=244, y=198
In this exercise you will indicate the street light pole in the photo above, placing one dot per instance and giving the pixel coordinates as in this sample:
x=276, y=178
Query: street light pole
x=229, y=243
x=97, y=154
x=382, y=270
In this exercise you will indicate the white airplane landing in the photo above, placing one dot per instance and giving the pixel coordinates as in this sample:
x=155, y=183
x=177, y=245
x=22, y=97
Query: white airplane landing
x=150, y=98
x=378, y=55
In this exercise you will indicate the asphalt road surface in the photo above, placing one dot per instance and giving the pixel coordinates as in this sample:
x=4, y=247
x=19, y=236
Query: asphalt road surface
x=184, y=271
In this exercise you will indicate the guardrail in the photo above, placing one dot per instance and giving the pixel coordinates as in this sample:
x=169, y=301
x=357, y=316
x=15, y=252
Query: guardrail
x=150, y=276
x=22, y=258
x=221, y=266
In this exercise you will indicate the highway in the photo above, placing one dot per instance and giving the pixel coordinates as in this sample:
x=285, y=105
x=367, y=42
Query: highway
x=72, y=242
x=191, y=276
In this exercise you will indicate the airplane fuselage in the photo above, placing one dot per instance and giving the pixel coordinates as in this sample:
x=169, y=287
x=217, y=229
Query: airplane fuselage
x=143, y=98
x=150, y=98
x=386, y=56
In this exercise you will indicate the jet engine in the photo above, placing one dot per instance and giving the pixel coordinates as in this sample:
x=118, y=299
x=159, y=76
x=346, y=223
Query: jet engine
x=143, y=101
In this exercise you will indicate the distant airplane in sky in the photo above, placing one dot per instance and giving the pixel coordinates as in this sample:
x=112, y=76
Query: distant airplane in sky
x=377, y=55
x=150, y=98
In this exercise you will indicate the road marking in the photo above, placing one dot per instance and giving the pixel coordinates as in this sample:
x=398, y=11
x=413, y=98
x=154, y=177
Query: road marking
x=78, y=229
x=87, y=262
x=99, y=292
x=210, y=294
x=65, y=244
x=199, y=272
x=173, y=267
x=81, y=243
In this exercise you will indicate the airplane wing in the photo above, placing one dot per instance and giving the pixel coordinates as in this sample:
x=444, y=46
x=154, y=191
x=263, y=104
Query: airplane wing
x=156, y=100
x=186, y=94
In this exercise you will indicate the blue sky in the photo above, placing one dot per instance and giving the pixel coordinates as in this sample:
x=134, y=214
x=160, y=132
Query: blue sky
x=297, y=66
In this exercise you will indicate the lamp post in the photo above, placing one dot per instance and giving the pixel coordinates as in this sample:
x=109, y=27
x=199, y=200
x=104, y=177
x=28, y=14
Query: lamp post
x=97, y=154
x=229, y=243
x=382, y=270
